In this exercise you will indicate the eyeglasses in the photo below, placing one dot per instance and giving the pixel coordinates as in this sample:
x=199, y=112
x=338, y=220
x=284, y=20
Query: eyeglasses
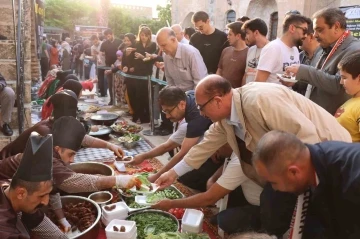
x=168, y=112
x=201, y=107
x=305, y=30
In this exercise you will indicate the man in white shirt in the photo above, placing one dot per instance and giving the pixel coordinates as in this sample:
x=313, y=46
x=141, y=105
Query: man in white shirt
x=256, y=30
x=282, y=52
x=179, y=34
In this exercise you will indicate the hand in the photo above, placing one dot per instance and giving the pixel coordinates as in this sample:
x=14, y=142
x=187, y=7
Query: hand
x=288, y=84
x=166, y=179
x=138, y=159
x=139, y=56
x=116, y=149
x=129, y=50
x=108, y=72
x=292, y=70
x=164, y=205
x=132, y=69
x=153, y=177
x=65, y=225
x=5, y=153
x=125, y=181
x=160, y=65
x=125, y=69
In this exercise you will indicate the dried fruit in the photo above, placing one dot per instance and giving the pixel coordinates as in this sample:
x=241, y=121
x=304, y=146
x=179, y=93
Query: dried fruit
x=122, y=229
x=115, y=229
x=110, y=208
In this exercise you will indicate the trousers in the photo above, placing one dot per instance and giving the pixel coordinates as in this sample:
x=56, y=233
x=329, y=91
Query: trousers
x=7, y=100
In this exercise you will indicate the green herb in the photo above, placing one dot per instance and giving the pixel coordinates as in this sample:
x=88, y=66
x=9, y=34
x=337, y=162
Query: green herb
x=159, y=223
x=178, y=235
x=161, y=195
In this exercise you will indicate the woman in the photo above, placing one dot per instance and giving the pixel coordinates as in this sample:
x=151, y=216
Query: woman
x=142, y=67
x=54, y=53
x=66, y=56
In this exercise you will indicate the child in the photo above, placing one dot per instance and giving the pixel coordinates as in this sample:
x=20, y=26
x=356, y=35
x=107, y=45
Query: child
x=348, y=115
x=117, y=65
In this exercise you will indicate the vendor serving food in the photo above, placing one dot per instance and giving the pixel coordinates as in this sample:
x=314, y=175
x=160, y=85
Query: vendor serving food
x=68, y=133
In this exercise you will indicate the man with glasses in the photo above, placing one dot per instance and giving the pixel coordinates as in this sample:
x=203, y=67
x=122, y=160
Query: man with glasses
x=241, y=117
x=178, y=105
x=282, y=52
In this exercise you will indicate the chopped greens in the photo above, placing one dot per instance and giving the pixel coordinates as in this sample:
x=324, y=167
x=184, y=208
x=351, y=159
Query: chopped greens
x=178, y=235
x=143, y=179
x=161, y=195
x=159, y=223
x=130, y=202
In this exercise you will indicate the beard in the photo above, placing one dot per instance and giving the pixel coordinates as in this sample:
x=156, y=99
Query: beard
x=299, y=42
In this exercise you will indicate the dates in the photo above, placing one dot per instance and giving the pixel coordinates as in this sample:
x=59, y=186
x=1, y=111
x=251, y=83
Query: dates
x=116, y=229
x=110, y=208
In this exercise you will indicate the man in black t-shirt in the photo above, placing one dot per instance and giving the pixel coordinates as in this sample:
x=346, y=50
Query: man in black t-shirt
x=109, y=49
x=208, y=40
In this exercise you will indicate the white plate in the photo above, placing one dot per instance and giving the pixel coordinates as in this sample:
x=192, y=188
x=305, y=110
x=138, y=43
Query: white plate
x=155, y=188
x=141, y=199
x=91, y=101
x=136, y=209
x=120, y=166
x=291, y=80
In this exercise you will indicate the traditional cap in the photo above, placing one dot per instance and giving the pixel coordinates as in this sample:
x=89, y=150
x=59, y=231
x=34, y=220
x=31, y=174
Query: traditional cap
x=65, y=104
x=68, y=133
x=73, y=85
x=36, y=163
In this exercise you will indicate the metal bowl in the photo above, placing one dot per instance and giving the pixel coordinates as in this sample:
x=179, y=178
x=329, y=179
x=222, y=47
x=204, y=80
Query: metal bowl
x=92, y=168
x=101, y=198
x=103, y=132
x=93, y=230
x=104, y=119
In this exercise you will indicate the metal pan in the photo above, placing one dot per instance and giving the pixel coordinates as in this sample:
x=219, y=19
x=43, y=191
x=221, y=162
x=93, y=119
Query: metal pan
x=104, y=119
x=103, y=132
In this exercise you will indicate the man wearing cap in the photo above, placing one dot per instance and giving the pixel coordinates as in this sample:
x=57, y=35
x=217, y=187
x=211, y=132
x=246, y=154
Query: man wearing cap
x=65, y=104
x=65, y=179
x=28, y=190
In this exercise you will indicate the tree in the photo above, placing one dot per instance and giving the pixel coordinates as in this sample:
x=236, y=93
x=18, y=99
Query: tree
x=68, y=13
x=164, y=13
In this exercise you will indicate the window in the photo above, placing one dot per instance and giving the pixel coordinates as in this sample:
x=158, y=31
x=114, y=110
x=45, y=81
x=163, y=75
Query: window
x=230, y=16
x=274, y=19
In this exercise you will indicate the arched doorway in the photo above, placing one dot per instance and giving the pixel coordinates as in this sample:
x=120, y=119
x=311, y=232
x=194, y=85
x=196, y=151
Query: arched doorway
x=230, y=16
x=187, y=20
x=273, y=26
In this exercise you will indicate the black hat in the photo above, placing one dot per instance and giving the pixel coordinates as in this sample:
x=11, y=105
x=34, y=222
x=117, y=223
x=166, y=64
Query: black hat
x=73, y=85
x=68, y=133
x=36, y=163
x=65, y=104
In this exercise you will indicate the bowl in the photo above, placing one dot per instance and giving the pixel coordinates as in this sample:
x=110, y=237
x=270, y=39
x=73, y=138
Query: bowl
x=101, y=198
x=93, y=168
x=104, y=119
x=93, y=230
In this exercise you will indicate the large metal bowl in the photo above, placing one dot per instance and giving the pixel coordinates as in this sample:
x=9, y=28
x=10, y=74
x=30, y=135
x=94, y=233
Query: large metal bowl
x=93, y=230
x=93, y=168
x=104, y=119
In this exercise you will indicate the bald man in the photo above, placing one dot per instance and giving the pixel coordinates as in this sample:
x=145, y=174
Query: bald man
x=179, y=33
x=326, y=176
x=184, y=66
x=242, y=117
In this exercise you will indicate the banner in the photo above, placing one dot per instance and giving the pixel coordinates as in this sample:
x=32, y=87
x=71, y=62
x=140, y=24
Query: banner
x=39, y=24
x=352, y=14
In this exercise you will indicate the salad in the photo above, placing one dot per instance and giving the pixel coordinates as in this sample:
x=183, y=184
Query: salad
x=161, y=195
x=178, y=235
x=129, y=138
x=124, y=127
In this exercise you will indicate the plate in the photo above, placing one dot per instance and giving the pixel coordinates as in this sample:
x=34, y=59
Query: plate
x=141, y=199
x=91, y=101
x=155, y=188
x=291, y=80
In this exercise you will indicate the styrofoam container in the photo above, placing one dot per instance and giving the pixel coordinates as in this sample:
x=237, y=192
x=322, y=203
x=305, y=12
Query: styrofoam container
x=130, y=229
x=192, y=221
x=134, y=237
x=104, y=221
x=120, y=212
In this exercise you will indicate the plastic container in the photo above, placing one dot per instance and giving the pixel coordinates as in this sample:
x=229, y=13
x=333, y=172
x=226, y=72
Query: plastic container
x=119, y=212
x=130, y=229
x=192, y=221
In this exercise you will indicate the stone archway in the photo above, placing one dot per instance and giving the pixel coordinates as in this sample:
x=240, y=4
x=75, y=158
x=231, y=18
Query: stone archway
x=187, y=20
x=267, y=8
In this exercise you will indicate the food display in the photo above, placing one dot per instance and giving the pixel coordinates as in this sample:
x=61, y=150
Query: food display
x=177, y=212
x=124, y=127
x=178, y=235
x=286, y=76
x=153, y=222
x=92, y=109
x=129, y=138
x=116, y=229
x=161, y=195
x=130, y=202
x=80, y=215
x=110, y=208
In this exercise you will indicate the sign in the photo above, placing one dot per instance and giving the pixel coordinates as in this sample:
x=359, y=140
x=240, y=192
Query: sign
x=39, y=24
x=352, y=15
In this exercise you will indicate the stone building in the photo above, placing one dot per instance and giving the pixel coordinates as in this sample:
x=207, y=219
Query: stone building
x=8, y=58
x=271, y=11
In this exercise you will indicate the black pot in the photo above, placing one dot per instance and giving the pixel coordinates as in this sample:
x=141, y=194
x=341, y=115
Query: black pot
x=104, y=119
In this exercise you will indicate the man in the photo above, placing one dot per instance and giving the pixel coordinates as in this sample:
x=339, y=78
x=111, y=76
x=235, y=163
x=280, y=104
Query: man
x=295, y=28
x=109, y=49
x=242, y=116
x=325, y=175
x=336, y=41
x=208, y=40
x=256, y=31
x=233, y=58
x=99, y=61
x=78, y=51
x=179, y=33
x=310, y=48
x=243, y=19
x=244, y=196
x=184, y=66
x=7, y=101
x=65, y=104
x=29, y=189
x=44, y=60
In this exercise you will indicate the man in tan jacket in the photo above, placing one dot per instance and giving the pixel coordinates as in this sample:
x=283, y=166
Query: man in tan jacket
x=241, y=117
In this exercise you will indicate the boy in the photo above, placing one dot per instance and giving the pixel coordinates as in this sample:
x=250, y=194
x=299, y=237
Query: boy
x=348, y=115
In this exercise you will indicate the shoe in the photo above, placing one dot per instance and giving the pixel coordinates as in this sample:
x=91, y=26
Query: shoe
x=111, y=103
x=7, y=130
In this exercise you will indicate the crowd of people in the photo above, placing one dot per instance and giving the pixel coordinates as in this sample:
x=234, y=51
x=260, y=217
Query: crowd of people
x=275, y=129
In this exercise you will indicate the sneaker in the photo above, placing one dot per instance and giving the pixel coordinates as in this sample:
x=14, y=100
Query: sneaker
x=7, y=130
